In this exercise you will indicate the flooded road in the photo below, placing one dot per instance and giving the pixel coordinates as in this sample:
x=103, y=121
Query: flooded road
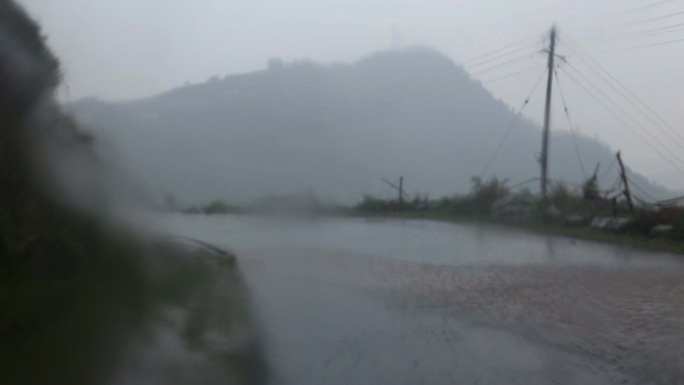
x=355, y=301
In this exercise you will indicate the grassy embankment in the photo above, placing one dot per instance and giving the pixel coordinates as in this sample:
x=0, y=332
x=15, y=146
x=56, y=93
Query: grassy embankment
x=476, y=207
x=76, y=292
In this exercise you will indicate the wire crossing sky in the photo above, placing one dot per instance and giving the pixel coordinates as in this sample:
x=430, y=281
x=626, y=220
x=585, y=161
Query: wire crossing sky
x=126, y=49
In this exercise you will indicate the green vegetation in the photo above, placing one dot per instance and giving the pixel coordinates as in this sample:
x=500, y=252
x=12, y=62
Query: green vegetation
x=75, y=291
x=480, y=205
x=215, y=207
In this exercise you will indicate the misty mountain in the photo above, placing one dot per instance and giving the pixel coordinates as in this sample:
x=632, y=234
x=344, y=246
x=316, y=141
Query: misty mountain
x=334, y=130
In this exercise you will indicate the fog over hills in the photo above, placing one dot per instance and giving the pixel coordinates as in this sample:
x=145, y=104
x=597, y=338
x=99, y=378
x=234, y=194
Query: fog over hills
x=334, y=130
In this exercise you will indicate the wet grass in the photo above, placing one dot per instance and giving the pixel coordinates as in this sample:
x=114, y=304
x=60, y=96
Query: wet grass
x=71, y=303
x=66, y=303
x=638, y=241
x=539, y=226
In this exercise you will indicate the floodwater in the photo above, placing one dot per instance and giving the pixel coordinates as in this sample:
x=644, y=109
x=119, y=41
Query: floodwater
x=358, y=301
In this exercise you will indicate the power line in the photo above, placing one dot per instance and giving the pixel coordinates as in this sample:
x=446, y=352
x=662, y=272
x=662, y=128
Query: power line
x=527, y=181
x=644, y=7
x=616, y=184
x=650, y=20
x=654, y=113
x=380, y=102
x=481, y=72
x=652, y=31
x=465, y=76
x=622, y=121
x=627, y=114
x=633, y=95
x=610, y=167
x=669, y=202
x=668, y=27
x=579, y=185
x=512, y=124
x=622, y=110
x=635, y=106
x=631, y=182
x=458, y=90
x=598, y=22
x=392, y=93
x=570, y=126
x=634, y=35
x=627, y=49
x=516, y=59
x=510, y=75
x=480, y=62
x=498, y=50
x=437, y=76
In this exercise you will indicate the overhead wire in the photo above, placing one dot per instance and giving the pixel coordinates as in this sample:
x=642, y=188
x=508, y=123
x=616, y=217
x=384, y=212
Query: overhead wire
x=387, y=101
x=394, y=93
x=621, y=120
x=488, y=69
x=460, y=90
x=635, y=35
x=570, y=126
x=669, y=202
x=480, y=62
x=607, y=170
x=643, y=21
x=476, y=58
x=641, y=201
x=657, y=29
x=470, y=76
x=635, y=97
x=652, y=31
x=643, y=191
x=578, y=185
x=647, y=6
x=527, y=181
x=511, y=126
x=623, y=111
x=625, y=88
x=674, y=141
x=618, y=20
x=616, y=184
x=627, y=49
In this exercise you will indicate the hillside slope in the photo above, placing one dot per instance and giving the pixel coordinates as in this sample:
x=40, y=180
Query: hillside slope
x=334, y=130
x=83, y=298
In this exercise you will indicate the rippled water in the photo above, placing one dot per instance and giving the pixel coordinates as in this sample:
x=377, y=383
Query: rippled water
x=345, y=300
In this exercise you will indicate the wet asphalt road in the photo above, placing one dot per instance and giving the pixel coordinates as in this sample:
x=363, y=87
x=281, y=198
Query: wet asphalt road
x=350, y=301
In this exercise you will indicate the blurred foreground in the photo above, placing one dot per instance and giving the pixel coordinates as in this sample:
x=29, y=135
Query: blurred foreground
x=84, y=299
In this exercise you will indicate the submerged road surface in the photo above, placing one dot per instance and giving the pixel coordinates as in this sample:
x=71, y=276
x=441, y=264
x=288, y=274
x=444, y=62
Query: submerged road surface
x=354, y=301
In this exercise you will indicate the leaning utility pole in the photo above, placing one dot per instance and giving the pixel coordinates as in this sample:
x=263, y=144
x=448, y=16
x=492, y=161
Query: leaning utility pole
x=547, y=116
x=400, y=188
x=401, y=191
x=623, y=175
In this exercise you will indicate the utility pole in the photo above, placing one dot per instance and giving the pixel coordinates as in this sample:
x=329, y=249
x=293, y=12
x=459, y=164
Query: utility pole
x=401, y=191
x=399, y=188
x=623, y=175
x=547, y=116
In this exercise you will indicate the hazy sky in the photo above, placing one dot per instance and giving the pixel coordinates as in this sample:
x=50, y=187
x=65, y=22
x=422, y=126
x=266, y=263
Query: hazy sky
x=132, y=48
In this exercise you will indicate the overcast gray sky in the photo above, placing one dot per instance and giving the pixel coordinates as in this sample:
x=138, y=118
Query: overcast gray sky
x=127, y=49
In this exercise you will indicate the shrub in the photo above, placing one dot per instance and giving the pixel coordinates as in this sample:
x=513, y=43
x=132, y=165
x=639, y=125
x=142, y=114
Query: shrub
x=561, y=194
x=219, y=207
x=369, y=203
x=590, y=190
x=484, y=194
